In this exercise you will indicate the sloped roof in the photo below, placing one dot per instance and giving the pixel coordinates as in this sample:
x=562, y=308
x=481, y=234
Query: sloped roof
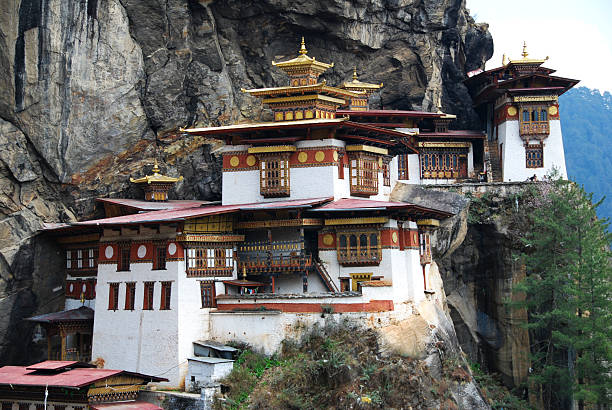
x=72, y=315
x=141, y=205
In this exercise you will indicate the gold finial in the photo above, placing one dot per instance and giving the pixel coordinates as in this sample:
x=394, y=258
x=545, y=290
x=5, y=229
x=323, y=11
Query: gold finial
x=303, y=47
x=439, y=105
x=155, y=168
x=504, y=60
x=525, y=53
x=355, y=74
x=244, y=275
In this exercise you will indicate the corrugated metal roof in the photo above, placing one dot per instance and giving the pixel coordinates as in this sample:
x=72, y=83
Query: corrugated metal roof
x=82, y=313
x=74, y=378
x=153, y=206
x=349, y=204
x=182, y=214
x=129, y=405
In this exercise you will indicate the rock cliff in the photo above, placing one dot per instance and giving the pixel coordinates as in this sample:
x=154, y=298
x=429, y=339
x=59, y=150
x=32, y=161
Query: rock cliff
x=92, y=90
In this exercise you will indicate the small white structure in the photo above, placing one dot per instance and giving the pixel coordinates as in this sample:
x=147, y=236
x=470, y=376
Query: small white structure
x=203, y=371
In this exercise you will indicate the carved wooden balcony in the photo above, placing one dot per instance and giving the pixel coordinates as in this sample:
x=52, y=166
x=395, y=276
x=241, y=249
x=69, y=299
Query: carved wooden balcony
x=535, y=128
x=273, y=257
x=362, y=257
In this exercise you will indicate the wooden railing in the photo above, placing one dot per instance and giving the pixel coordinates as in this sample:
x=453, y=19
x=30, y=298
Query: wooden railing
x=535, y=128
x=273, y=263
x=363, y=256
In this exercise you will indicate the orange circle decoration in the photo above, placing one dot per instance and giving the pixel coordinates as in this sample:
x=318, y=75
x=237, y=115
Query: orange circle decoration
x=512, y=111
x=328, y=239
x=302, y=157
x=234, y=161
x=335, y=155
x=553, y=110
x=394, y=237
x=319, y=156
x=251, y=160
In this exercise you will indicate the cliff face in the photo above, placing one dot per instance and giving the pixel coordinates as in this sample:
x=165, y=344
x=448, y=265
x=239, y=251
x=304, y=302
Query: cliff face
x=91, y=91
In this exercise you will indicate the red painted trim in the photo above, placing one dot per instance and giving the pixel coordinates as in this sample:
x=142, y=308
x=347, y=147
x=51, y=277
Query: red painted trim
x=372, y=306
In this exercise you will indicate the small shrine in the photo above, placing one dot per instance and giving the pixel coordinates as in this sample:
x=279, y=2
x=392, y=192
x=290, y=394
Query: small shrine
x=156, y=186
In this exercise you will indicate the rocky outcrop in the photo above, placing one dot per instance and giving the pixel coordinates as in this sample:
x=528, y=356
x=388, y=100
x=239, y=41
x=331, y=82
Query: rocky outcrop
x=91, y=91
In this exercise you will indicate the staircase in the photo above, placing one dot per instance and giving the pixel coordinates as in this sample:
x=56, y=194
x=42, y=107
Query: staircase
x=320, y=269
x=493, y=165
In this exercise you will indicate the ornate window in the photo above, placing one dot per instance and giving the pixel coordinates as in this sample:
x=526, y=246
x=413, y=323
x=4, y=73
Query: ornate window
x=207, y=292
x=159, y=259
x=124, y=258
x=402, y=167
x=534, y=120
x=364, y=174
x=113, y=296
x=82, y=259
x=166, y=294
x=443, y=164
x=147, y=301
x=386, y=174
x=274, y=175
x=130, y=295
x=209, y=260
x=424, y=247
x=534, y=156
x=359, y=248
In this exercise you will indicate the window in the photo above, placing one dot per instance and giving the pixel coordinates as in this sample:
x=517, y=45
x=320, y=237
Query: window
x=534, y=121
x=147, y=303
x=113, y=296
x=82, y=259
x=210, y=261
x=443, y=164
x=274, y=175
x=386, y=174
x=363, y=170
x=534, y=156
x=166, y=290
x=345, y=284
x=130, y=295
x=402, y=167
x=359, y=248
x=207, y=291
x=124, y=258
x=159, y=261
x=213, y=223
x=424, y=247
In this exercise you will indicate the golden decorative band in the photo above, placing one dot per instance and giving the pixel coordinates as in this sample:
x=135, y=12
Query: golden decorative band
x=367, y=148
x=357, y=221
x=276, y=148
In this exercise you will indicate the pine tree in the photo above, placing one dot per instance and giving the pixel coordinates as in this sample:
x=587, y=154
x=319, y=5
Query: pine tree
x=568, y=297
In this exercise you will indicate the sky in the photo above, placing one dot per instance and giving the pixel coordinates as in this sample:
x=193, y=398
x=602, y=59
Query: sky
x=576, y=35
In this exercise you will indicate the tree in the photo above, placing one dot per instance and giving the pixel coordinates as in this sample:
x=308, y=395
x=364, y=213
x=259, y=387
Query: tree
x=567, y=293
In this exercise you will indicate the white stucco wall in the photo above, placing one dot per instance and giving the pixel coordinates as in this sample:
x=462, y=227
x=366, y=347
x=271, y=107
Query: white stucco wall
x=513, y=153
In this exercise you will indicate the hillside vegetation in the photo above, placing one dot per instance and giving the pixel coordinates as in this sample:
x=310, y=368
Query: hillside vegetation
x=586, y=118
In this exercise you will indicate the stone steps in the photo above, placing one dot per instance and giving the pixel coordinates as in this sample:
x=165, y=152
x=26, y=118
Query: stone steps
x=496, y=171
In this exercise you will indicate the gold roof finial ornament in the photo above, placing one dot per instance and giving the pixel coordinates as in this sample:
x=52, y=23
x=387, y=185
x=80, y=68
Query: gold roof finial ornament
x=524, y=53
x=526, y=61
x=504, y=60
x=355, y=74
x=156, y=186
x=303, y=47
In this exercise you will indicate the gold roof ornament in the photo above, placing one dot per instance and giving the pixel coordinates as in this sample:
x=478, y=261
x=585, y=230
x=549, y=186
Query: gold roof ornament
x=357, y=85
x=156, y=177
x=504, y=60
x=302, y=62
x=526, y=60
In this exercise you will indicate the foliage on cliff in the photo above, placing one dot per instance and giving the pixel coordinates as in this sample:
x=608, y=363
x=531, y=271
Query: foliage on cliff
x=342, y=366
x=567, y=292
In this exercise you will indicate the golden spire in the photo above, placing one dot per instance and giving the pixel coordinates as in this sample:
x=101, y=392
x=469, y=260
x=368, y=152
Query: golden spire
x=355, y=74
x=504, y=60
x=303, y=47
x=525, y=53
x=155, y=169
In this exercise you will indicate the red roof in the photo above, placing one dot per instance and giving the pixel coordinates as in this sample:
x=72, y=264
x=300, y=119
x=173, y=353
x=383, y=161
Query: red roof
x=57, y=365
x=350, y=204
x=182, y=214
x=65, y=376
x=141, y=205
x=388, y=113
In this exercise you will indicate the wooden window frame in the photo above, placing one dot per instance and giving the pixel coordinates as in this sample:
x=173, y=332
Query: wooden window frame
x=130, y=295
x=356, y=253
x=82, y=259
x=274, y=175
x=113, y=296
x=534, y=120
x=403, y=172
x=204, y=260
x=386, y=172
x=424, y=247
x=534, y=156
x=208, y=298
x=125, y=254
x=363, y=174
x=148, y=295
x=159, y=257
x=442, y=164
x=166, y=295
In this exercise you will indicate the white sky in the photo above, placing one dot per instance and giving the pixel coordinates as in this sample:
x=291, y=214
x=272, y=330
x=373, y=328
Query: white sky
x=575, y=34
